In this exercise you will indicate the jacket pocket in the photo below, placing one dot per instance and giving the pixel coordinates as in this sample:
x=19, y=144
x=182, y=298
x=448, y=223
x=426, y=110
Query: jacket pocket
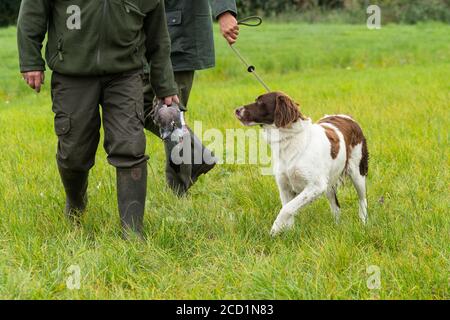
x=136, y=55
x=174, y=18
x=127, y=19
x=58, y=55
x=181, y=40
x=132, y=8
x=62, y=124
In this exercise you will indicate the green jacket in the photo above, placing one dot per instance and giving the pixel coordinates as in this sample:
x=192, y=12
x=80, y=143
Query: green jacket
x=191, y=31
x=94, y=37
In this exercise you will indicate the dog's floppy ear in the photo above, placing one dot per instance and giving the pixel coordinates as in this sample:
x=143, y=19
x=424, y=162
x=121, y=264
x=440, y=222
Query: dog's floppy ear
x=286, y=111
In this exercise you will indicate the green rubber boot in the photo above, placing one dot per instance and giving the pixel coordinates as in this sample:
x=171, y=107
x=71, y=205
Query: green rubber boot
x=131, y=194
x=75, y=185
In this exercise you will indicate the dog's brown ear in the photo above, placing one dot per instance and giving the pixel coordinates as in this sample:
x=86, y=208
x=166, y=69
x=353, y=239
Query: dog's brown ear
x=286, y=111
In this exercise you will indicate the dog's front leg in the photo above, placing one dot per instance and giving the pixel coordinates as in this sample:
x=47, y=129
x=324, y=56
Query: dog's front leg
x=286, y=193
x=285, y=219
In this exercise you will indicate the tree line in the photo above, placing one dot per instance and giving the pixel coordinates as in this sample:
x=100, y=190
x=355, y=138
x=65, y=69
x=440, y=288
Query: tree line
x=400, y=11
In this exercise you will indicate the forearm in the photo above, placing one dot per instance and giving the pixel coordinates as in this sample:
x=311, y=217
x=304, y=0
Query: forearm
x=158, y=52
x=225, y=12
x=31, y=30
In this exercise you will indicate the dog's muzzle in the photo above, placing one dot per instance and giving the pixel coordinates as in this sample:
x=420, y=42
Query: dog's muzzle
x=239, y=112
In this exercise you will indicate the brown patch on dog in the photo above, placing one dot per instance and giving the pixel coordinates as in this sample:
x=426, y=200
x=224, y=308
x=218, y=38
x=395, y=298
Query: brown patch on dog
x=353, y=136
x=334, y=140
x=286, y=111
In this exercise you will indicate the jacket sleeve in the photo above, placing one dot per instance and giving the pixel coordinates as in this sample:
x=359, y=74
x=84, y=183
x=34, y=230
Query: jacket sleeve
x=222, y=6
x=31, y=30
x=158, y=52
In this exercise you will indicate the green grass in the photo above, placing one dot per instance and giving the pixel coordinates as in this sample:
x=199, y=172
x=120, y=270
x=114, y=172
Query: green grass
x=215, y=243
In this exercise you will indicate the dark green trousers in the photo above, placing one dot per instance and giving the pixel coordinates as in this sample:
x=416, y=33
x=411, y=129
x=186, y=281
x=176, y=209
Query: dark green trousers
x=184, y=80
x=76, y=104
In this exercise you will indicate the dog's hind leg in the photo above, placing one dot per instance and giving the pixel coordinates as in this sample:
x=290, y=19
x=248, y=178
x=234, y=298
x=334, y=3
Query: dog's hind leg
x=334, y=203
x=357, y=170
x=285, y=218
x=359, y=182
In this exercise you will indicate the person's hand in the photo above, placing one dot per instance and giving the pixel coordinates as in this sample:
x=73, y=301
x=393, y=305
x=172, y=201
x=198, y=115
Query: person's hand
x=229, y=27
x=168, y=101
x=35, y=79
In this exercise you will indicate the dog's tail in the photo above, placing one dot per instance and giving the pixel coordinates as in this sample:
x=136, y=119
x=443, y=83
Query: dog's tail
x=364, y=163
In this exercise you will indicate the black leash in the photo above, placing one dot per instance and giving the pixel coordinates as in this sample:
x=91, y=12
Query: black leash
x=252, y=21
x=247, y=21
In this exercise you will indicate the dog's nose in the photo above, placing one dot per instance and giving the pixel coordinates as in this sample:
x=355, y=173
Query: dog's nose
x=238, y=111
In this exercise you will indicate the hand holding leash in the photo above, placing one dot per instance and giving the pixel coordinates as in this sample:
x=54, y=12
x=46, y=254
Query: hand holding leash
x=229, y=27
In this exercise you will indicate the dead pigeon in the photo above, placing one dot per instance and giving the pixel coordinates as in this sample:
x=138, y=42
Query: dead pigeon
x=168, y=119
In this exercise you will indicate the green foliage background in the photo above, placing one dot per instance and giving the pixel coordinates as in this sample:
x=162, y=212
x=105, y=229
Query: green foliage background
x=8, y=11
x=400, y=11
x=350, y=11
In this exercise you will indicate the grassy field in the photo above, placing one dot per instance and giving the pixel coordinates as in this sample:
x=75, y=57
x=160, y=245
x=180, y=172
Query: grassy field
x=215, y=243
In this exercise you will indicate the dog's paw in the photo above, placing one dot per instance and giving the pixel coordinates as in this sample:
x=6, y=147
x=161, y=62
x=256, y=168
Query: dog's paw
x=275, y=230
x=282, y=224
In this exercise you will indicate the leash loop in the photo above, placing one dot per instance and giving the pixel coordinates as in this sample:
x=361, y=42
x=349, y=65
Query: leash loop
x=251, y=21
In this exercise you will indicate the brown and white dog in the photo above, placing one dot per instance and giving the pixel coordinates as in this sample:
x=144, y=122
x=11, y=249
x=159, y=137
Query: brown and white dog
x=312, y=158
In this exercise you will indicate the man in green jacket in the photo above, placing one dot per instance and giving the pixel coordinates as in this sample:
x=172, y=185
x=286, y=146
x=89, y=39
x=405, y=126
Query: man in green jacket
x=191, y=33
x=100, y=53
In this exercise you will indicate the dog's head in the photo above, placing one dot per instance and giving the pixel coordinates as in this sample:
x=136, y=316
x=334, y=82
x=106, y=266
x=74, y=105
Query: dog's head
x=274, y=108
